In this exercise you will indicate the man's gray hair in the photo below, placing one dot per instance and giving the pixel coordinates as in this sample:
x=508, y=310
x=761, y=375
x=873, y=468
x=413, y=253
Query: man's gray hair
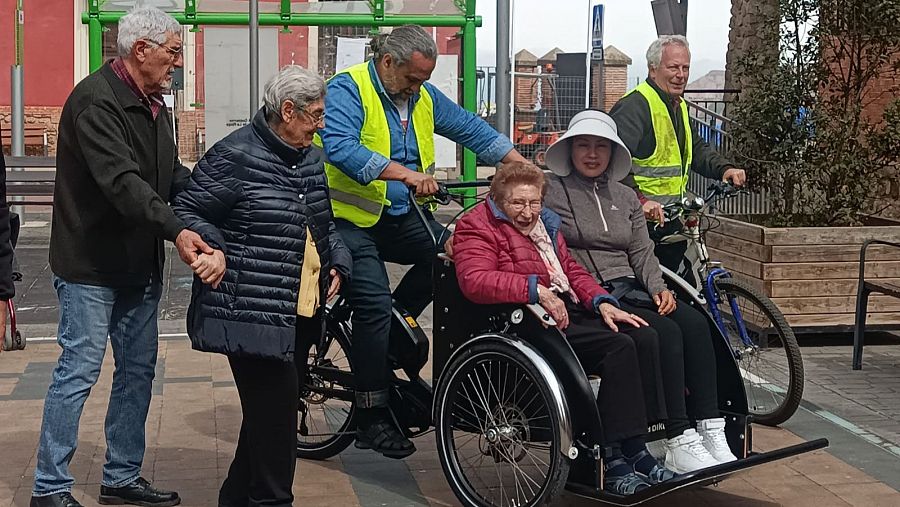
x=294, y=83
x=402, y=42
x=654, y=53
x=147, y=23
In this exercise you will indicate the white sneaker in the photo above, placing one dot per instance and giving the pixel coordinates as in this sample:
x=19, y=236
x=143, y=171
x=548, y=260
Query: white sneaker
x=686, y=453
x=713, y=433
x=657, y=449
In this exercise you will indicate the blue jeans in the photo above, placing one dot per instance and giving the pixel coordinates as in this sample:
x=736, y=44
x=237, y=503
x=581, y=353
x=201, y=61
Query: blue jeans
x=88, y=314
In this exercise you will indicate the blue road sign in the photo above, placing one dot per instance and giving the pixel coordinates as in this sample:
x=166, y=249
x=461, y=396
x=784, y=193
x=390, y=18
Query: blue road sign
x=597, y=28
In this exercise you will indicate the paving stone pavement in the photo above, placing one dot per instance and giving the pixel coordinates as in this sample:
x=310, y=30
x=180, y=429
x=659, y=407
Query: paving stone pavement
x=195, y=416
x=870, y=398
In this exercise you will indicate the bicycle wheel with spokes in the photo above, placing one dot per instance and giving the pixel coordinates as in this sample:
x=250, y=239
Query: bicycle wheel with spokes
x=767, y=352
x=325, y=418
x=498, y=430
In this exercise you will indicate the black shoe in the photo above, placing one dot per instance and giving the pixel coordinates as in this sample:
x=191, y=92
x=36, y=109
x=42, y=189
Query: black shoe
x=138, y=492
x=63, y=499
x=383, y=437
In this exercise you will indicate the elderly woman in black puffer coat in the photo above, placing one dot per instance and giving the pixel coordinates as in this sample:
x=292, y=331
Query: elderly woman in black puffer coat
x=259, y=197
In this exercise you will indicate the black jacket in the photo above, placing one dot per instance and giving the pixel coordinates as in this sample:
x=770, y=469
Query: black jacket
x=7, y=289
x=116, y=168
x=632, y=115
x=253, y=196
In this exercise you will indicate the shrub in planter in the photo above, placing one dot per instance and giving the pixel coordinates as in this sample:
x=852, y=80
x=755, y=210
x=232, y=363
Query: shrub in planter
x=821, y=129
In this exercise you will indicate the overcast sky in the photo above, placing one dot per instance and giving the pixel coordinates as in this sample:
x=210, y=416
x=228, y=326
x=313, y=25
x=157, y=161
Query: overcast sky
x=540, y=25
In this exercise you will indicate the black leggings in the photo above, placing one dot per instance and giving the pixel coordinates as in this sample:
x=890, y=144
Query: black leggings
x=688, y=361
x=626, y=362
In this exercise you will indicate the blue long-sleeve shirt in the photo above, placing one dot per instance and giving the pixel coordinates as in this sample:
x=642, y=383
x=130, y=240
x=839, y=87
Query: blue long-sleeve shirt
x=344, y=120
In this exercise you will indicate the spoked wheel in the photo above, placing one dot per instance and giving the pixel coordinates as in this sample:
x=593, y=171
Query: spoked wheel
x=498, y=430
x=325, y=419
x=769, y=357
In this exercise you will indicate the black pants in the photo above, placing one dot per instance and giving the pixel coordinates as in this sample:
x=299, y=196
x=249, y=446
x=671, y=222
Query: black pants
x=627, y=363
x=688, y=365
x=400, y=240
x=262, y=472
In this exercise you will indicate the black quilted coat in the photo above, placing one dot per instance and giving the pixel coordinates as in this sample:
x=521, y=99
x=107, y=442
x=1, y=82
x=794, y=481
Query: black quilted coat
x=253, y=196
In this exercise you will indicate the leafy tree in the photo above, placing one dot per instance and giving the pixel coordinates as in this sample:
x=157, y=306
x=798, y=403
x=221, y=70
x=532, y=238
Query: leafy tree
x=806, y=131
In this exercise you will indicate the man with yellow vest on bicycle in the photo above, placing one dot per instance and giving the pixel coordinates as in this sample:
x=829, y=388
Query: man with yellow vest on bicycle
x=653, y=123
x=382, y=116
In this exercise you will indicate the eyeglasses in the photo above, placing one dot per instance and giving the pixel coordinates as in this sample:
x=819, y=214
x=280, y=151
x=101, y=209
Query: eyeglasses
x=518, y=206
x=316, y=118
x=175, y=52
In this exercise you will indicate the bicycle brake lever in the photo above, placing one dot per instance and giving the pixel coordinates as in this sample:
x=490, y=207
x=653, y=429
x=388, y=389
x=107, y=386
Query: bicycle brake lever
x=442, y=196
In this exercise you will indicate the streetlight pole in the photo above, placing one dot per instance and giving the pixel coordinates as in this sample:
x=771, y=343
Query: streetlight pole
x=587, y=57
x=17, y=86
x=254, y=57
x=504, y=81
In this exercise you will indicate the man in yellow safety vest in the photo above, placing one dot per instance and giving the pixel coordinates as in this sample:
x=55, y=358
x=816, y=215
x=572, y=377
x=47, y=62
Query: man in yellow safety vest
x=653, y=123
x=382, y=116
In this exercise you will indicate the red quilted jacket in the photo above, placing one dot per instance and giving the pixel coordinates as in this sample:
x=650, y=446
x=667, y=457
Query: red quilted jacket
x=495, y=263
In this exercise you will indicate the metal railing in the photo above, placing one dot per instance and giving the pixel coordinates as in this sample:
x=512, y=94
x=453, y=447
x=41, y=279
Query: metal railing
x=712, y=126
x=543, y=102
x=717, y=100
x=708, y=119
x=548, y=101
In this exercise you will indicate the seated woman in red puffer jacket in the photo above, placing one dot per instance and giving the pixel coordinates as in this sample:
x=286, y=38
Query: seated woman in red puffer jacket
x=508, y=250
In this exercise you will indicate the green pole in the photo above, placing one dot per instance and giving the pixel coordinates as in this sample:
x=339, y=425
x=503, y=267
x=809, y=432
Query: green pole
x=470, y=171
x=95, y=34
x=95, y=44
x=326, y=19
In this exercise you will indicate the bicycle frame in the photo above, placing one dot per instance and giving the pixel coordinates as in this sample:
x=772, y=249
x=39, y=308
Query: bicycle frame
x=706, y=270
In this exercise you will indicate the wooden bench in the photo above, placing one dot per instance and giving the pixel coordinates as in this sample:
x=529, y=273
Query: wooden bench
x=35, y=187
x=35, y=138
x=867, y=287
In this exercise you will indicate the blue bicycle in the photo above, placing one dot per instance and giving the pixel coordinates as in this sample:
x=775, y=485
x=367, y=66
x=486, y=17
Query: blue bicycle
x=763, y=343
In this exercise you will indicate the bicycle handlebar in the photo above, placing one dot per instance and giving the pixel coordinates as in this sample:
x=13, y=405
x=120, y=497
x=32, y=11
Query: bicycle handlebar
x=443, y=196
x=716, y=191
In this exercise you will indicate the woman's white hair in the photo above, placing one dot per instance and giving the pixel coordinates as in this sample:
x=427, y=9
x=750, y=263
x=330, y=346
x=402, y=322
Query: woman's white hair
x=294, y=83
x=655, y=51
x=147, y=23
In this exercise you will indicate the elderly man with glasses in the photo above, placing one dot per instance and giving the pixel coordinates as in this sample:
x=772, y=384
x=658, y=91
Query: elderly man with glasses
x=117, y=169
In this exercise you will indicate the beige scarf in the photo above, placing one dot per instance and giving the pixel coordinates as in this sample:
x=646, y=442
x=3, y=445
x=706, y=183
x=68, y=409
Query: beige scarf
x=559, y=282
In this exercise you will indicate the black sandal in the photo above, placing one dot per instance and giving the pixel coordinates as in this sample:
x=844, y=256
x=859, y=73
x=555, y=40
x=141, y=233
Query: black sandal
x=384, y=438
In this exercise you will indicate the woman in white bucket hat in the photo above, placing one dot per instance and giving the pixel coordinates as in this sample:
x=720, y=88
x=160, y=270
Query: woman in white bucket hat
x=604, y=225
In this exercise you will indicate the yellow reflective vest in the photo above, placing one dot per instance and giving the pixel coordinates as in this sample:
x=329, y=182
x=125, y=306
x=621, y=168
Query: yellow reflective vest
x=663, y=176
x=363, y=204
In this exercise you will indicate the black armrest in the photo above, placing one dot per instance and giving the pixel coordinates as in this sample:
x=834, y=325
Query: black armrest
x=862, y=254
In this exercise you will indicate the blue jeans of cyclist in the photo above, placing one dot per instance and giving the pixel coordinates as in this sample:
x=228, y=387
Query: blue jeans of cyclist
x=399, y=239
x=90, y=315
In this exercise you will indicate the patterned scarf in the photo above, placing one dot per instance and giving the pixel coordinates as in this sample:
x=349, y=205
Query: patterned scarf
x=559, y=282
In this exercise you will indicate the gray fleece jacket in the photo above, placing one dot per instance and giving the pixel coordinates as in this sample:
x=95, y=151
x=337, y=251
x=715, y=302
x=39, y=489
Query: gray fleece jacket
x=605, y=229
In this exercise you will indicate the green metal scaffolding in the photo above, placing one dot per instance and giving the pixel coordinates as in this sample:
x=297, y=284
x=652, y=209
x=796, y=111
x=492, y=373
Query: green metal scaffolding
x=365, y=13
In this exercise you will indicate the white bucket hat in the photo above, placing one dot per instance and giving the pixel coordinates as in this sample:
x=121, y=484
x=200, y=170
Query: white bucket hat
x=591, y=123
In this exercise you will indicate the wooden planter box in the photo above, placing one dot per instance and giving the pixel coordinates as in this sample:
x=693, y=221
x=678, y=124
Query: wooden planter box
x=811, y=273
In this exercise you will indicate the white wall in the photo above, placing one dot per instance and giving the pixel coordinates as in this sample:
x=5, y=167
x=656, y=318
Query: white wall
x=226, y=54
